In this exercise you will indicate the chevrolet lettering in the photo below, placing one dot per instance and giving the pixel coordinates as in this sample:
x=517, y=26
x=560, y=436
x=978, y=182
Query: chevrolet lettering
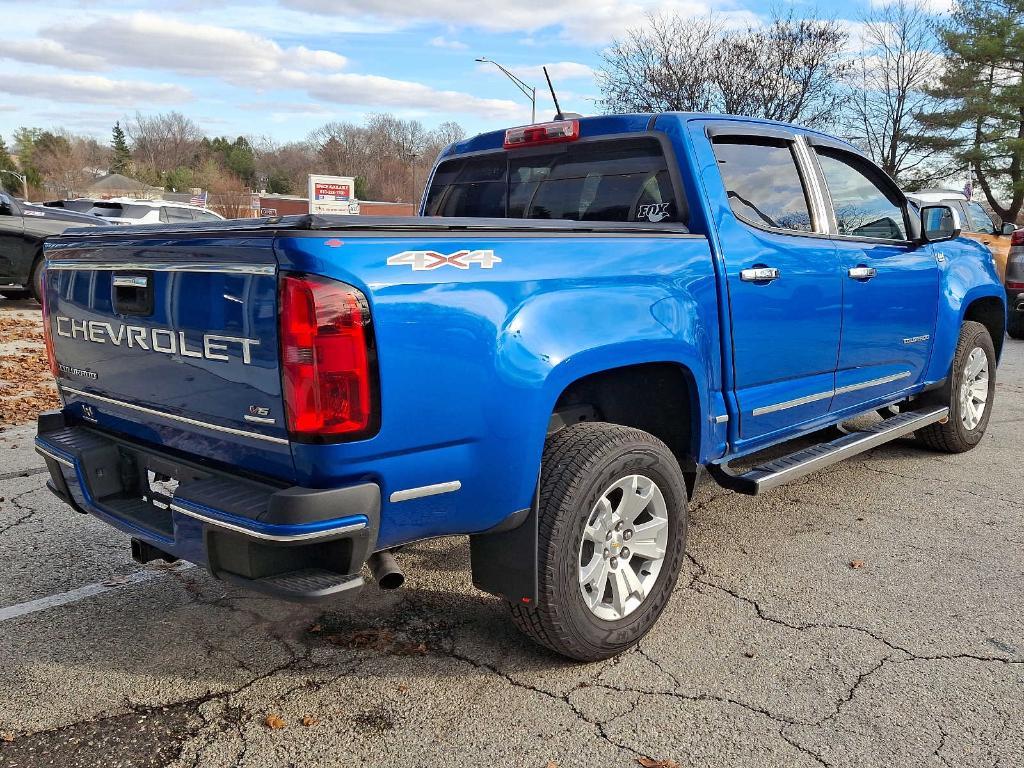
x=212, y=346
x=587, y=317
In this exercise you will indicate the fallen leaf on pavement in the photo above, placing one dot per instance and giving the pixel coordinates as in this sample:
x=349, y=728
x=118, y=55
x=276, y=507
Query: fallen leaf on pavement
x=403, y=688
x=309, y=720
x=857, y=564
x=648, y=762
x=552, y=764
x=7, y=737
x=274, y=722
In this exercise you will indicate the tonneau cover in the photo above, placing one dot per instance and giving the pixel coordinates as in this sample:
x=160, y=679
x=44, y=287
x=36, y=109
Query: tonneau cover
x=310, y=222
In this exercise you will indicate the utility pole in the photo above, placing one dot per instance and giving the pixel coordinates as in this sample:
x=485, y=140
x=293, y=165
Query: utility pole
x=528, y=90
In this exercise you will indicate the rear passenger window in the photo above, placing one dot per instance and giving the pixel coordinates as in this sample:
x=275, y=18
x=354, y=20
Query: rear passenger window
x=978, y=220
x=621, y=180
x=177, y=215
x=866, y=205
x=763, y=183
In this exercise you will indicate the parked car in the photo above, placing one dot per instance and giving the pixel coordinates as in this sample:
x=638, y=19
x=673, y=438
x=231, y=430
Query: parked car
x=591, y=314
x=23, y=228
x=975, y=221
x=1015, y=285
x=131, y=211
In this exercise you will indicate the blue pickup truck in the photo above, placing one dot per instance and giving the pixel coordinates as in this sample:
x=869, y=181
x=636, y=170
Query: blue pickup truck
x=588, y=315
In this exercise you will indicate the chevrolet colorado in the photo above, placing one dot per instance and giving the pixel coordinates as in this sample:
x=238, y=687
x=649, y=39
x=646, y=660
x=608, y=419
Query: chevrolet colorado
x=587, y=315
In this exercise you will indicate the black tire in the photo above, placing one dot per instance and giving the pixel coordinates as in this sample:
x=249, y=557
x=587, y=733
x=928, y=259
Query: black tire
x=35, y=279
x=1015, y=326
x=954, y=436
x=579, y=464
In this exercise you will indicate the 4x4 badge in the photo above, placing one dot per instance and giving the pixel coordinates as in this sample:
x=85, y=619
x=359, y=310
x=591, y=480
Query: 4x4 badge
x=422, y=261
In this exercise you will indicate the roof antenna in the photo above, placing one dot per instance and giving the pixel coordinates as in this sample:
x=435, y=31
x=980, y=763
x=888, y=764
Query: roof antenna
x=558, y=109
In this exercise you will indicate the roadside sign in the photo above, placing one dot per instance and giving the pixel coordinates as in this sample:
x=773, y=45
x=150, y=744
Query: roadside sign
x=332, y=194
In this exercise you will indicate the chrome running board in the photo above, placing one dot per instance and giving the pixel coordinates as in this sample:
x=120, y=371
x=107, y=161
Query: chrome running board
x=786, y=469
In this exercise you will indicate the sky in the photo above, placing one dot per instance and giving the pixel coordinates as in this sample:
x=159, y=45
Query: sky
x=281, y=68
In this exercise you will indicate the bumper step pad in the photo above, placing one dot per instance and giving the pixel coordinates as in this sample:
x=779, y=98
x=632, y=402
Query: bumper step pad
x=786, y=469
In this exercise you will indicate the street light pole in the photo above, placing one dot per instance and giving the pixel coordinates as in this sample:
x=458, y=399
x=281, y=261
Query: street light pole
x=528, y=90
x=21, y=177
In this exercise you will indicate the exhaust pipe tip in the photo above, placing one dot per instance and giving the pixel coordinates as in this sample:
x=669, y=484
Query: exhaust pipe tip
x=385, y=570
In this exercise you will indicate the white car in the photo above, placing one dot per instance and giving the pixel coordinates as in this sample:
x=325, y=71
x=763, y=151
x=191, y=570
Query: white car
x=123, y=210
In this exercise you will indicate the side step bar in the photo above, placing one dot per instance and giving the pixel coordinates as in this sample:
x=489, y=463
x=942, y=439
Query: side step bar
x=786, y=469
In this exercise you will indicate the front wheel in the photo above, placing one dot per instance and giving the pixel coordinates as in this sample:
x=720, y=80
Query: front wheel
x=612, y=533
x=972, y=392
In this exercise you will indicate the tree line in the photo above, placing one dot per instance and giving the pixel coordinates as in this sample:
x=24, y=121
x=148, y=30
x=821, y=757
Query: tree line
x=929, y=100
x=926, y=99
x=389, y=157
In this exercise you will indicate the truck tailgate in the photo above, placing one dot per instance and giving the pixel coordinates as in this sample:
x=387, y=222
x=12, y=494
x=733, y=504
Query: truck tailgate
x=173, y=342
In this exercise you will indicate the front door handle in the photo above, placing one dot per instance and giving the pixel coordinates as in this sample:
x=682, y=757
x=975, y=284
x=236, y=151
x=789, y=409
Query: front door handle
x=862, y=272
x=759, y=274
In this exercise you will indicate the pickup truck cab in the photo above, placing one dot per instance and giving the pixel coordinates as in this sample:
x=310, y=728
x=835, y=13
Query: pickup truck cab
x=588, y=315
x=23, y=229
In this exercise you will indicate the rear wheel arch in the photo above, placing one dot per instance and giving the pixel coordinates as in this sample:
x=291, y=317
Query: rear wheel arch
x=660, y=398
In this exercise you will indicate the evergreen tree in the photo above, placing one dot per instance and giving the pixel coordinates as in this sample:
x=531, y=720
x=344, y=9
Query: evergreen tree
x=121, y=158
x=982, y=85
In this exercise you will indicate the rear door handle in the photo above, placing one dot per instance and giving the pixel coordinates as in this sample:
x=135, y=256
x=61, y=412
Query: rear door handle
x=759, y=274
x=862, y=273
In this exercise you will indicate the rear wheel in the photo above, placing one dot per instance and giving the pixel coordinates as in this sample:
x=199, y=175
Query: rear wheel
x=972, y=392
x=1015, y=327
x=612, y=533
x=35, y=284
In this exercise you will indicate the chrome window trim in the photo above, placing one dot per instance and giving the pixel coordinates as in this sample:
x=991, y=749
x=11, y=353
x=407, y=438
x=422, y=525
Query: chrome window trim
x=173, y=417
x=266, y=536
x=425, y=490
x=762, y=411
x=162, y=266
x=819, y=208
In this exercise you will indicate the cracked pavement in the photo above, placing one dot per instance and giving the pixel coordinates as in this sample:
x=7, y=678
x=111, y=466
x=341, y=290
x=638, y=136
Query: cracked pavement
x=773, y=651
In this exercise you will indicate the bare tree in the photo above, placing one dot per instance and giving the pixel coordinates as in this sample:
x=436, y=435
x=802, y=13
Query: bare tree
x=888, y=93
x=789, y=70
x=664, y=65
x=163, y=142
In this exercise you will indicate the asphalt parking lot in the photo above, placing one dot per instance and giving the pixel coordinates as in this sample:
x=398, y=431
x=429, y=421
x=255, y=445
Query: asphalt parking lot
x=871, y=615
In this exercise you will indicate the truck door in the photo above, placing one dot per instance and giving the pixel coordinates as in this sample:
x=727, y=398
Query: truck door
x=12, y=240
x=890, y=284
x=783, y=277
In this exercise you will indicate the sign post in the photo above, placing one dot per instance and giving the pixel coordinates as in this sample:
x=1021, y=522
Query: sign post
x=332, y=195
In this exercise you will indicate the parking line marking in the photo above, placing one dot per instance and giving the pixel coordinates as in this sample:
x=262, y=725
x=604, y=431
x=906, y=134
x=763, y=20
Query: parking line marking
x=75, y=595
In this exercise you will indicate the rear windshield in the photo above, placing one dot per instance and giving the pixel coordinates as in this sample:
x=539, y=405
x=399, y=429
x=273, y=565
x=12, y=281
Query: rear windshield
x=621, y=180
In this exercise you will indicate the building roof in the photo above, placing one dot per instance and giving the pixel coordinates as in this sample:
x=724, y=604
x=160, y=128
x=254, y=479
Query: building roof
x=115, y=182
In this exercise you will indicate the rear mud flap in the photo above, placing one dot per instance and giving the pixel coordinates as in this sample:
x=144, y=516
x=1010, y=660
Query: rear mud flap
x=504, y=560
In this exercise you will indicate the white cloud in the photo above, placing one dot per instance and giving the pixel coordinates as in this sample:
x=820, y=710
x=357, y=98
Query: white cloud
x=595, y=21
x=91, y=89
x=935, y=7
x=49, y=53
x=559, y=71
x=158, y=42
x=443, y=42
x=376, y=91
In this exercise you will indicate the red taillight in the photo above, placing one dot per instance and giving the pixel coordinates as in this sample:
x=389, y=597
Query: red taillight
x=1013, y=285
x=1017, y=238
x=327, y=370
x=542, y=133
x=47, y=333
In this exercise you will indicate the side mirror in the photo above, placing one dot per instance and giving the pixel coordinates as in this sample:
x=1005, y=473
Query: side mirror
x=1008, y=228
x=939, y=223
